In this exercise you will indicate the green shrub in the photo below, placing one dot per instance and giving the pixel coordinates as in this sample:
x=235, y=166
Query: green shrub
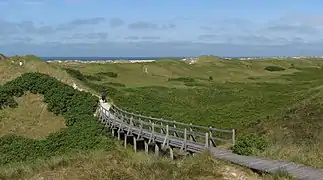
x=6, y=100
x=109, y=74
x=78, y=75
x=116, y=84
x=249, y=144
x=194, y=84
x=274, y=68
x=83, y=131
x=182, y=79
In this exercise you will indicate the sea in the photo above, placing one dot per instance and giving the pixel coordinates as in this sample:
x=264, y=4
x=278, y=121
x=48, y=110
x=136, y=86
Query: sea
x=106, y=58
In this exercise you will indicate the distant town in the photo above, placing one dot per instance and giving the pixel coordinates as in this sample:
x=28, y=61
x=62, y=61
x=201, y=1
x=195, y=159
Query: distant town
x=190, y=59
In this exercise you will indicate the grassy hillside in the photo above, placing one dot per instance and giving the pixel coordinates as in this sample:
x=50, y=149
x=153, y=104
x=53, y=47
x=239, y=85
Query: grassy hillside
x=10, y=69
x=48, y=132
x=277, y=99
x=30, y=119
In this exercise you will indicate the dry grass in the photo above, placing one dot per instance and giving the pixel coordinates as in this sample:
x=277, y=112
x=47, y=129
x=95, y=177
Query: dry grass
x=30, y=119
x=124, y=165
x=10, y=70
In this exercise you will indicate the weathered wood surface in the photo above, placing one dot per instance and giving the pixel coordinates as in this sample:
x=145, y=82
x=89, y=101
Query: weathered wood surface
x=171, y=134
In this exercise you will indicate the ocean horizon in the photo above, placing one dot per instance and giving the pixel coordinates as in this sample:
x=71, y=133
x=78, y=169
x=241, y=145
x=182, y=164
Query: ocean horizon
x=106, y=58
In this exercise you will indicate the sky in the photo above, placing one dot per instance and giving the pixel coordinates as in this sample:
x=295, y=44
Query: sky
x=133, y=28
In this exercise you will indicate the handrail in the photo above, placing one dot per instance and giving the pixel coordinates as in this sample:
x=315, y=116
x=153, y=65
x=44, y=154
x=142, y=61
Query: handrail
x=174, y=122
x=173, y=128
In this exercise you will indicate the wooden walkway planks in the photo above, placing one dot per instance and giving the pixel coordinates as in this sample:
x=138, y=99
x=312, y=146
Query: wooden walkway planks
x=115, y=119
x=270, y=166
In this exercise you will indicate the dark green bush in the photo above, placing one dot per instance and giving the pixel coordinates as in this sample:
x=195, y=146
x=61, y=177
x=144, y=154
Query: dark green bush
x=249, y=144
x=80, y=76
x=6, y=100
x=83, y=131
x=76, y=74
x=196, y=84
x=182, y=79
x=116, y=84
x=274, y=68
x=109, y=74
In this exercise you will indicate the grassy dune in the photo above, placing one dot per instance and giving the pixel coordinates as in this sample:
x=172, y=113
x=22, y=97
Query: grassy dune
x=282, y=106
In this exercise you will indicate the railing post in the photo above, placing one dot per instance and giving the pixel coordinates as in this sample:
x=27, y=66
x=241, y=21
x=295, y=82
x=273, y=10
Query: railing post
x=175, y=129
x=150, y=128
x=210, y=136
x=185, y=139
x=125, y=118
x=233, y=136
x=191, y=134
x=167, y=130
x=152, y=135
x=139, y=119
x=107, y=121
x=131, y=124
x=206, y=140
x=166, y=137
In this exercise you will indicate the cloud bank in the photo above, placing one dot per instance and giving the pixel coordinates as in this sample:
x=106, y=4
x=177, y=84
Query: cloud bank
x=98, y=36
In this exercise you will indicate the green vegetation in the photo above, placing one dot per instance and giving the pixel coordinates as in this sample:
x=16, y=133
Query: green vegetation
x=83, y=131
x=182, y=79
x=283, y=108
x=78, y=75
x=275, y=68
x=250, y=144
x=109, y=74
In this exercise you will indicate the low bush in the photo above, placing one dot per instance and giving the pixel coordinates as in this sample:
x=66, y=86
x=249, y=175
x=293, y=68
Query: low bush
x=83, y=131
x=250, y=144
x=109, y=74
x=78, y=75
x=182, y=79
x=6, y=100
x=196, y=84
x=274, y=68
x=116, y=84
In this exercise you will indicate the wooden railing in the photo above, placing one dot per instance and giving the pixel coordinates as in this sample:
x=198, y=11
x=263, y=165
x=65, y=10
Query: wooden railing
x=194, y=133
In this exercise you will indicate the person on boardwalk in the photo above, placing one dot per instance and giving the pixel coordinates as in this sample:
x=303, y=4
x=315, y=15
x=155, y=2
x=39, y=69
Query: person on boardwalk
x=104, y=95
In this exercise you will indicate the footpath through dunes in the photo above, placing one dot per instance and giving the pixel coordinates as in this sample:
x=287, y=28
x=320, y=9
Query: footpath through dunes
x=164, y=134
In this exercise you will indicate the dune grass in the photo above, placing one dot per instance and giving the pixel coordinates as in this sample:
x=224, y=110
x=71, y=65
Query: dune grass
x=126, y=165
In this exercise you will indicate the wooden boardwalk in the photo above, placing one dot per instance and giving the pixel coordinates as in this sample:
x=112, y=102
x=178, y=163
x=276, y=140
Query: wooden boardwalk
x=189, y=138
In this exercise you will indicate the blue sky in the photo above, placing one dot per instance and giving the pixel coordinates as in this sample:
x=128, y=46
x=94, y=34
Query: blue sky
x=161, y=27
